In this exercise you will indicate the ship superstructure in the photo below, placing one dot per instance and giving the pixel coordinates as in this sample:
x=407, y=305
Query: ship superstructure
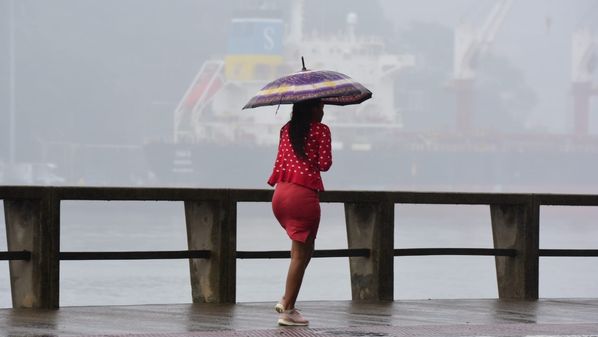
x=260, y=49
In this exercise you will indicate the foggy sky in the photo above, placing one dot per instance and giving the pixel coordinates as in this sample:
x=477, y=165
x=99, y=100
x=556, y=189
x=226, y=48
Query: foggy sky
x=112, y=72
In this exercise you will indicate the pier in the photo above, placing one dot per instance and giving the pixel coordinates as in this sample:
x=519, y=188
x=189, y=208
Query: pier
x=442, y=318
x=32, y=216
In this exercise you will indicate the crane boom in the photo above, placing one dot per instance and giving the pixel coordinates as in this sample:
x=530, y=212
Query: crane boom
x=583, y=60
x=471, y=43
x=583, y=63
x=493, y=24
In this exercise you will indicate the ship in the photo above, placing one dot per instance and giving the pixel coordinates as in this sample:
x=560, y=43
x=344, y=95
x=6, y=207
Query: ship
x=216, y=144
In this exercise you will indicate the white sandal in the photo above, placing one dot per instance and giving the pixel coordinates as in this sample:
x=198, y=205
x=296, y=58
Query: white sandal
x=292, y=317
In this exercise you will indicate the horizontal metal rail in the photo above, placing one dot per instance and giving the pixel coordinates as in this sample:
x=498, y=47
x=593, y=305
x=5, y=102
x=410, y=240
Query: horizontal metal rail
x=136, y=255
x=265, y=195
x=203, y=254
x=454, y=251
x=285, y=254
x=569, y=252
x=15, y=256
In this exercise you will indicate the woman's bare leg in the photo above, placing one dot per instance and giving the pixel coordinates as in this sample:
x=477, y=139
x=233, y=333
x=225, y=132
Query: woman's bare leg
x=300, y=256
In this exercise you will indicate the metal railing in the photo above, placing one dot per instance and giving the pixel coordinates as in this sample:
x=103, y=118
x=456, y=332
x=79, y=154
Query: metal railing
x=211, y=228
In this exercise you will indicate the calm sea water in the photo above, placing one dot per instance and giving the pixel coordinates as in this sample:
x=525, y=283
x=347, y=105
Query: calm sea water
x=105, y=226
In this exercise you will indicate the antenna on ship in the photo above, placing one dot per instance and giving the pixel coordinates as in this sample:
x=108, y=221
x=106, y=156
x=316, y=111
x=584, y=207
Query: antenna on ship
x=303, y=63
x=296, y=30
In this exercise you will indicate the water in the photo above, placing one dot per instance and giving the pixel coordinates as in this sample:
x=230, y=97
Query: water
x=105, y=226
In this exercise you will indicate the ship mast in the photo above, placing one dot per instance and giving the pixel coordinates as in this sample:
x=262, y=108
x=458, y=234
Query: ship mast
x=296, y=30
x=11, y=82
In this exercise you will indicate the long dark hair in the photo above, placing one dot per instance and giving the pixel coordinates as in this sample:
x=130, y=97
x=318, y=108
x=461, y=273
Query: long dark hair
x=301, y=118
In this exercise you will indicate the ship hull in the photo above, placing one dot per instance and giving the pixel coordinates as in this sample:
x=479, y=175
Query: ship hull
x=245, y=166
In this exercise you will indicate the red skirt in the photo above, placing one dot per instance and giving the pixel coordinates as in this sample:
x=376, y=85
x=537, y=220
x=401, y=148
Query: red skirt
x=297, y=208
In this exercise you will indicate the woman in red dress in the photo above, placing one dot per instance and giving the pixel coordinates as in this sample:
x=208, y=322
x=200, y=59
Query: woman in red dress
x=303, y=151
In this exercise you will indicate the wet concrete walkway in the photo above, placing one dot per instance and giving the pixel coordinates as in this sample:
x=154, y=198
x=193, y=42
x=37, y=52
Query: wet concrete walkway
x=554, y=317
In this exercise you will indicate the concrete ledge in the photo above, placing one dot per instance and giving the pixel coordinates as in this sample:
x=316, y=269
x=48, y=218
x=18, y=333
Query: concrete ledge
x=265, y=195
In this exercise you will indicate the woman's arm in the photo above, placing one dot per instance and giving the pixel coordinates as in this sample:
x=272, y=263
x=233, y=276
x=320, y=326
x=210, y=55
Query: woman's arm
x=325, y=148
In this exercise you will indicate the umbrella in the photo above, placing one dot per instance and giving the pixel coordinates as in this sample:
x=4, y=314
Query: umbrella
x=330, y=86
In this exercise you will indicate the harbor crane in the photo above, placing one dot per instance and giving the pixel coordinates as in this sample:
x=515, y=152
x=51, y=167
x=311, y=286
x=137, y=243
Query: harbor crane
x=583, y=63
x=469, y=44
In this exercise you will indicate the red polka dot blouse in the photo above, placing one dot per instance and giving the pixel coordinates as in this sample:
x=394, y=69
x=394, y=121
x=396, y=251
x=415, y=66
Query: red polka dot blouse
x=306, y=172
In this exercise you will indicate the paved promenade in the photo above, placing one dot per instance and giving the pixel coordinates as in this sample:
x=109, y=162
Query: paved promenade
x=554, y=317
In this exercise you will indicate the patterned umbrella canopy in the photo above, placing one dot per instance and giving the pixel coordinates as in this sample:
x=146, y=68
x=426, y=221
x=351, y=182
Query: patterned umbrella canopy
x=330, y=86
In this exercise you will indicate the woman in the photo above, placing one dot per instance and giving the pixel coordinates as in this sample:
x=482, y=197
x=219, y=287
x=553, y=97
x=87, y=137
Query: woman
x=303, y=151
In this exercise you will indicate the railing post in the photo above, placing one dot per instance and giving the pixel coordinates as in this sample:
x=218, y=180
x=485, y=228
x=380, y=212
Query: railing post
x=34, y=225
x=212, y=225
x=517, y=227
x=371, y=225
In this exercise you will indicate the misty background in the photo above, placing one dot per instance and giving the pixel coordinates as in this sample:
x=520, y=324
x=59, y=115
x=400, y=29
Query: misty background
x=95, y=73
x=95, y=81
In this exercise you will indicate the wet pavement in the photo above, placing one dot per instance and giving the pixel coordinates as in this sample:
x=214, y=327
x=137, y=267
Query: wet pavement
x=554, y=317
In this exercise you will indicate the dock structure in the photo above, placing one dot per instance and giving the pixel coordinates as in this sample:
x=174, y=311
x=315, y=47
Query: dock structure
x=32, y=216
x=437, y=318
